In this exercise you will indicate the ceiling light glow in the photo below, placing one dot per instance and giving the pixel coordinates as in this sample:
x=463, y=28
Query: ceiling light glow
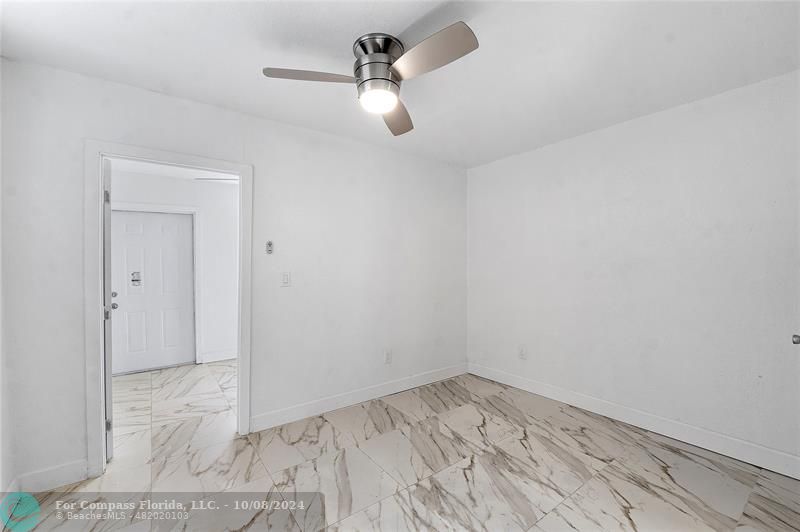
x=378, y=101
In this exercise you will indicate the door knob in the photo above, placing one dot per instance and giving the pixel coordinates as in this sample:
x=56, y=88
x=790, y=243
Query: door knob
x=114, y=306
x=113, y=294
x=796, y=339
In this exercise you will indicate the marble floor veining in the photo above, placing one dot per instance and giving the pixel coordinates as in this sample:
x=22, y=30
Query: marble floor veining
x=465, y=453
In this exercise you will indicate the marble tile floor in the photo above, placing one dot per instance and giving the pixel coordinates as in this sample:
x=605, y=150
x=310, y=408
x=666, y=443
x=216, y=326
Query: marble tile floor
x=461, y=454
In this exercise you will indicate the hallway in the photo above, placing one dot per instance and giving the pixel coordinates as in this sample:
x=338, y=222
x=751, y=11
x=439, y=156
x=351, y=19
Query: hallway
x=162, y=413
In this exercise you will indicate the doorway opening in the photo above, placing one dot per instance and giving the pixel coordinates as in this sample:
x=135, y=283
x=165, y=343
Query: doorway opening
x=174, y=278
x=173, y=260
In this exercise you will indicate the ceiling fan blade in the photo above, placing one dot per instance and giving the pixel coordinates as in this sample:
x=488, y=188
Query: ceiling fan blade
x=307, y=75
x=440, y=17
x=398, y=120
x=441, y=48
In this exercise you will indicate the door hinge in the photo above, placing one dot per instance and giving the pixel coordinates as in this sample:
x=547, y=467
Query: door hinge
x=107, y=196
x=108, y=425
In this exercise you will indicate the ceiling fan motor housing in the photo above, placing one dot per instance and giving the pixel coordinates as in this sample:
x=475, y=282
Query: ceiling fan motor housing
x=375, y=53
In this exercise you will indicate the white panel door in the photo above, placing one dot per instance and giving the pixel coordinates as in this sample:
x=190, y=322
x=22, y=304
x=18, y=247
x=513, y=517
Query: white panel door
x=152, y=273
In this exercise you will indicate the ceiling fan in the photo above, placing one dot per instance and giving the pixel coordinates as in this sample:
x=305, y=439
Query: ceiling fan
x=382, y=64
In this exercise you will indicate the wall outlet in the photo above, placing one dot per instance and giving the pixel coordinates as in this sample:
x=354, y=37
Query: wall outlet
x=387, y=356
x=522, y=352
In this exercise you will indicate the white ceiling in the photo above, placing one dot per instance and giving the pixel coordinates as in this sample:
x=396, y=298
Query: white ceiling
x=137, y=166
x=544, y=71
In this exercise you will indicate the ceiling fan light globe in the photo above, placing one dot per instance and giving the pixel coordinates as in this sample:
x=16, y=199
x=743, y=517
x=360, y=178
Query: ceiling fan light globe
x=378, y=101
x=378, y=96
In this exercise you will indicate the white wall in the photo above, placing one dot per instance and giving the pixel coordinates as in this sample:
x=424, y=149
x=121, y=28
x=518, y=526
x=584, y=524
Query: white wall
x=217, y=253
x=6, y=443
x=651, y=270
x=375, y=242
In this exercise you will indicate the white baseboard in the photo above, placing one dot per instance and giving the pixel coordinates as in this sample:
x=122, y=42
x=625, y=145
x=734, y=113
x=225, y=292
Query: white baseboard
x=332, y=402
x=215, y=356
x=13, y=485
x=53, y=477
x=753, y=453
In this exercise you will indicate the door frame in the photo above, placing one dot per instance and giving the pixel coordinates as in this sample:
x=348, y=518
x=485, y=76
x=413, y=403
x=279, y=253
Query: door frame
x=95, y=152
x=194, y=212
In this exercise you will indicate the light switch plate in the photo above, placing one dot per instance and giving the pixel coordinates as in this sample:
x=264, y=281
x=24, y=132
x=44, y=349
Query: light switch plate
x=286, y=279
